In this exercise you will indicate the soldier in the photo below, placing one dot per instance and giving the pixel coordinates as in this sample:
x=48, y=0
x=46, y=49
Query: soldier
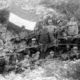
x=50, y=56
x=44, y=37
x=72, y=27
x=25, y=63
x=35, y=59
x=62, y=27
x=51, y=29
x=33, y=42
x=36, y=56
x=75, y=53
x=65, y=56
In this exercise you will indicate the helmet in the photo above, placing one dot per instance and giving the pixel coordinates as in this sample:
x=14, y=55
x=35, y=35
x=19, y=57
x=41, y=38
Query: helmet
x=51, y=52
x=33, y=39
x=75, y=48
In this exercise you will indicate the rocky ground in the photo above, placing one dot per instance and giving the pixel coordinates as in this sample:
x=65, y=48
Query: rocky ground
x=51, y=70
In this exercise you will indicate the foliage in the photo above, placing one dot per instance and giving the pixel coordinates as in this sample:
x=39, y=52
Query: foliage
x=4, y=16
x=70, y=8
x=53, y=70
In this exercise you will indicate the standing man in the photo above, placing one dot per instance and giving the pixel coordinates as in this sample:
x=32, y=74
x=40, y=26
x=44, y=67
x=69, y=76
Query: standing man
x=51, y=29
x=72, y=27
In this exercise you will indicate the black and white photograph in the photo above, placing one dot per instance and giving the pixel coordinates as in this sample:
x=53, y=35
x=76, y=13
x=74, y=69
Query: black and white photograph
x=39, y=39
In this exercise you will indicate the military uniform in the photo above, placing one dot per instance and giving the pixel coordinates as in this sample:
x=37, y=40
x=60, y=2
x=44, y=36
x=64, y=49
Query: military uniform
x=35, y=60
x=44, y=37
x=65, y=56
x=75, y=53
x=33, y=42
x=25, y=63
x=36, y=56
x=51, y=30
x=72, y=28
x=50, y=56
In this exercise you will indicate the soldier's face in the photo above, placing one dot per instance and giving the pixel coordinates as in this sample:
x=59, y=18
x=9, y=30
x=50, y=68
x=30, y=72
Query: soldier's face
x=52, y=54
x=50, y=22
x=75, y=50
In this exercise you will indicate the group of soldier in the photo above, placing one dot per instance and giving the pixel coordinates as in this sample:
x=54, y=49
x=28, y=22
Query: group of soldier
x=34, y=61
x=49, y=31
x=56, y=26
x=28, y=62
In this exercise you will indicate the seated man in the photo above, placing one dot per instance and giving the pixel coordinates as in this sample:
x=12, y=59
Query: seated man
x=25, y=63
x=33, y=42
x=35, y=59
x=35, y=56
x=50, y=56
x=75, y=53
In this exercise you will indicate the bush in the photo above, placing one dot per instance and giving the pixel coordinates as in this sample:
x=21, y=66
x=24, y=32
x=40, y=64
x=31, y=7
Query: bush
x=4, y=16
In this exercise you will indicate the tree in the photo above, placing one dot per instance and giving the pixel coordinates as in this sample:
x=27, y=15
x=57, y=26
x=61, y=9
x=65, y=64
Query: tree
x=4, y=16
x=70, y=9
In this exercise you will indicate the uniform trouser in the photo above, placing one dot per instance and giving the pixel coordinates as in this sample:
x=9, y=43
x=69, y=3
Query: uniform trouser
x=51, y=34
